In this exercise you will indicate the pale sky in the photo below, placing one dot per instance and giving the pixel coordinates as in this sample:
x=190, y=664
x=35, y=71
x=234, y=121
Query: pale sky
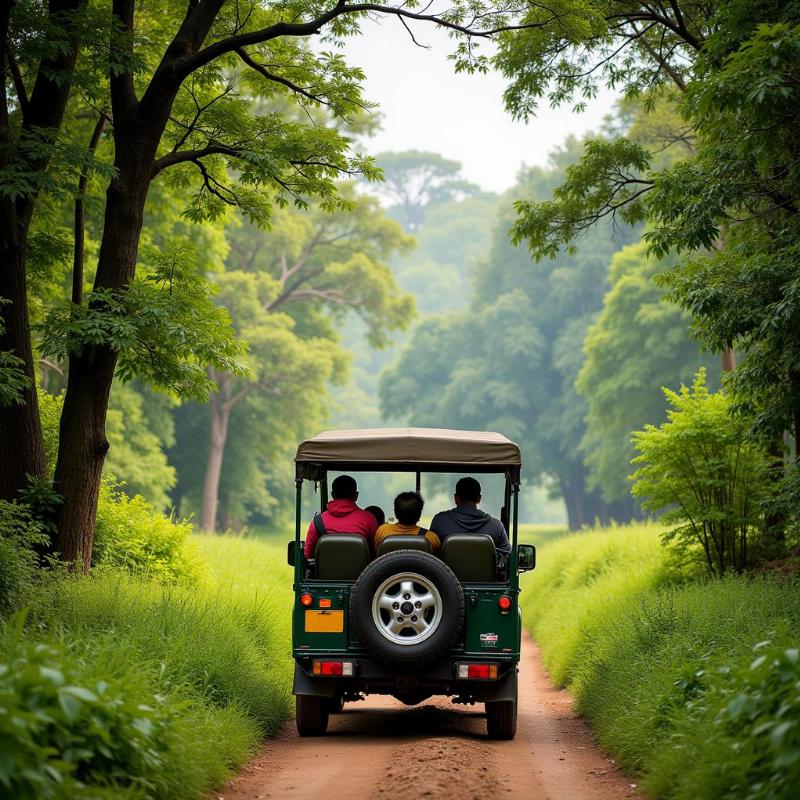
x=426, y=106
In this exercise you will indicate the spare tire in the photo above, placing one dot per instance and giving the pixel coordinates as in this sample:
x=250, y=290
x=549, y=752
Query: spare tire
x=407, y=608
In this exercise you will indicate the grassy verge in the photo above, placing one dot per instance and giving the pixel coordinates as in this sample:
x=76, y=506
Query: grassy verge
x=693, y=685
x=145, y=689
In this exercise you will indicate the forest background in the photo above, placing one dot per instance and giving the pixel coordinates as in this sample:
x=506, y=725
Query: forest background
x=583, y=345
x=416, y=309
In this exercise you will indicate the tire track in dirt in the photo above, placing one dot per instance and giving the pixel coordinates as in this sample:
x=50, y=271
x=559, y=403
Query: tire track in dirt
x=380, y=750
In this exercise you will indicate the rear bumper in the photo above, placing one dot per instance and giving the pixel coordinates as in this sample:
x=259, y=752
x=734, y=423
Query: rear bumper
x=438, y=678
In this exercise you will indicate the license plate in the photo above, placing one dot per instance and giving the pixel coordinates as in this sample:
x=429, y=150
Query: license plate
x=324, y=621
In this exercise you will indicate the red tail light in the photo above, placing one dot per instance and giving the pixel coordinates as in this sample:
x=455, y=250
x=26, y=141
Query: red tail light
x=306, y=599
x=477, y=672
x=504, y=602
x=333, y=668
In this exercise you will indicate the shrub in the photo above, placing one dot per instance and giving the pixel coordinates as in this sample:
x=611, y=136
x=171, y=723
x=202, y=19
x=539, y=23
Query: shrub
x=204, y=667
x=712, y=481
x=58, y=733
x=50, y=407
x=133, y=535
x=20, y=533
x=93, y=719
x=745, y=720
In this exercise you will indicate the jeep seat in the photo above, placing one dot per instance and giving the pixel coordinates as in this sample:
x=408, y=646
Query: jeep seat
x=471, y=556
x=401, y=542
x=341, y=556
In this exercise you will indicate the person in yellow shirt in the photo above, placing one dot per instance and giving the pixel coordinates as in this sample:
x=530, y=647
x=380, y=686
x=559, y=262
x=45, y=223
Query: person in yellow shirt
x=407, y=509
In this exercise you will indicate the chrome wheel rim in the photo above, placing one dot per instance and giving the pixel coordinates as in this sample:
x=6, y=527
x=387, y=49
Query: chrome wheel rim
x=407, y=608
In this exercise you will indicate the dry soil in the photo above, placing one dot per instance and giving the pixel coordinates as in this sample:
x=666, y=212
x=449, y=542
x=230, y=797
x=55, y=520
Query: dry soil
x=382, y=750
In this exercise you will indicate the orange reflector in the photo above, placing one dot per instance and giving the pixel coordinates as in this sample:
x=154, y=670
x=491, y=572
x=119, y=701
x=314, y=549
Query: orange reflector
x=306, y=599
x=504, y=602
x=325, y=602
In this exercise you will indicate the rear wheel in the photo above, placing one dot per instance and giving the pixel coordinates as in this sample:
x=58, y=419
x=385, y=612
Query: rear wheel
x=501, y=719
x=311, y=714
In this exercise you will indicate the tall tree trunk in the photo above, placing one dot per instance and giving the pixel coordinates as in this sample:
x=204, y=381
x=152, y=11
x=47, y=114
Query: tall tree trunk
x=220, y=414
x=82, y=449
x=82, y=445
x=21, y=442
x=728, y=359
x=573, y=499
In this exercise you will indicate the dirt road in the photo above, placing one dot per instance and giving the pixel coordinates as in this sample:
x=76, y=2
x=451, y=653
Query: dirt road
x=381, y=749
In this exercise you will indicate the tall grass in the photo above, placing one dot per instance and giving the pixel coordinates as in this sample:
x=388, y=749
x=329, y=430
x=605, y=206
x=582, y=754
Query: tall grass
x=212, y=660
x=655, y=661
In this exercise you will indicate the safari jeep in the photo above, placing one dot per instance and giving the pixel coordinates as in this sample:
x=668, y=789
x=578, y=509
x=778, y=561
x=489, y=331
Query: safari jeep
x=407, y=623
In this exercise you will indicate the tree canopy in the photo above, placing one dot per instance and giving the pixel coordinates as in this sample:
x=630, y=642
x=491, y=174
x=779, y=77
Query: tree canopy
x=224, y=101
x=413, y=180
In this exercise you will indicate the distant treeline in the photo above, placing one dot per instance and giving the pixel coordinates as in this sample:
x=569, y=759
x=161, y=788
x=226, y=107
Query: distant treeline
x=567, y=356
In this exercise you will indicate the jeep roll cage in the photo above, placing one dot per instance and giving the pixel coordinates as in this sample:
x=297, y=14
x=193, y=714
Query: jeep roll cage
x=414, y=450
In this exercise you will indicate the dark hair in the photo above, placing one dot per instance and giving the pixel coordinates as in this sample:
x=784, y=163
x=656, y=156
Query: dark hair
x=344, y=488
x=377, y=512
x=468, y=490
x=408, y=508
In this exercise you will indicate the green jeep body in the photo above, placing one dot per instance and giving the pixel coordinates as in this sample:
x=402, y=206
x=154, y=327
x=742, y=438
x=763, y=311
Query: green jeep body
x=323, y=633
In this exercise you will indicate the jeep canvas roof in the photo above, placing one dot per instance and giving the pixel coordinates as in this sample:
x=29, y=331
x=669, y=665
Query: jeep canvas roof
x=407, y=449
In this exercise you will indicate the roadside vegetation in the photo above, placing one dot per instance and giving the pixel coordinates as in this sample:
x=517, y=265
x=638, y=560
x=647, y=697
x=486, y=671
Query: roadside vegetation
x=134, y=685
x=689, y=682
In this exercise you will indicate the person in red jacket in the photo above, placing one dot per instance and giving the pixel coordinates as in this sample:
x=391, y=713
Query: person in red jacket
x=343, y=515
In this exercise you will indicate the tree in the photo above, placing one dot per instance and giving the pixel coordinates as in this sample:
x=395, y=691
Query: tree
x=280, y=290
x=413, y=180
x=707, y=477
x=731, y=208
x=178, y=99
x=637, y=344
x=30, y=112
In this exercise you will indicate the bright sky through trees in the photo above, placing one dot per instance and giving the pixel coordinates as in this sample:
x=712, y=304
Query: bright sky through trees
x=467, y=122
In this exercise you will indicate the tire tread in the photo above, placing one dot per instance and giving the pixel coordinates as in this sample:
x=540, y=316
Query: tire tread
x=311, y=715
x=501, y=719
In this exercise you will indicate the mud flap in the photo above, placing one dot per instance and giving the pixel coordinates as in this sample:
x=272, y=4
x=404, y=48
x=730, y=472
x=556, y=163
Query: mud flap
x=504, y=689
x=306, y=685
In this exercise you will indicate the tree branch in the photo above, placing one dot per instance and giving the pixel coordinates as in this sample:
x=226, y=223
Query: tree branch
x=231, y=402
x=271, y=76
x=79, y=217
x=185, y=66
x=19, y=84
x=182, y=156
x=123, y=93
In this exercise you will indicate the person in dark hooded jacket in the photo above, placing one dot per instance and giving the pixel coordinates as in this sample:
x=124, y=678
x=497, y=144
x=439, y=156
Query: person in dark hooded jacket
x=466, y=517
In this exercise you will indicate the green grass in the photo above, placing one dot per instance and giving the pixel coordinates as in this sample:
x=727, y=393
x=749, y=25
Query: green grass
x=211, y=661
x=540, y=534
x=655, y=662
